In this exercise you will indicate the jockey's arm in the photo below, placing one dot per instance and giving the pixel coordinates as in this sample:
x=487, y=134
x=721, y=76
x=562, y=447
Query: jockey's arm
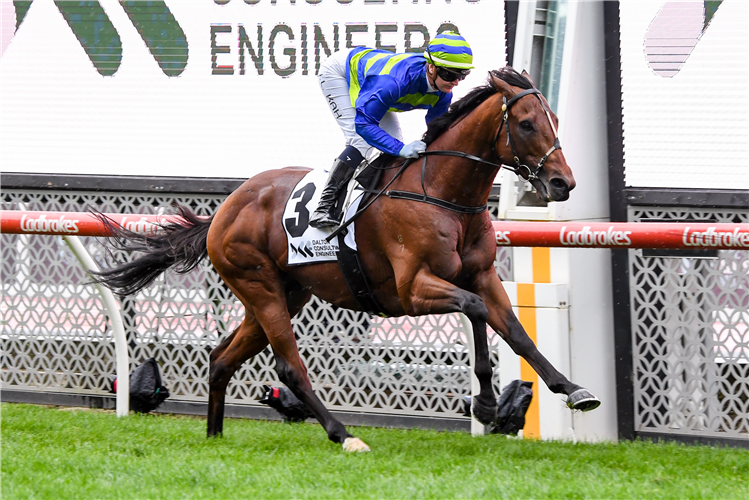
x=369, y=129
x=371, y=106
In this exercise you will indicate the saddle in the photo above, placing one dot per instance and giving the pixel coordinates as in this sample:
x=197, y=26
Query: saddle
x=367, y=177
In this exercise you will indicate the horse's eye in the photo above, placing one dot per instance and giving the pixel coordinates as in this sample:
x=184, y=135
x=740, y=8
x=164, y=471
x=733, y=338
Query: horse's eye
x=526, y=126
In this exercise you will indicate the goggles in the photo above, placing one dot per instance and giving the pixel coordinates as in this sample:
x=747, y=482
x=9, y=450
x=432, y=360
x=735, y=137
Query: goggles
x=450, y=75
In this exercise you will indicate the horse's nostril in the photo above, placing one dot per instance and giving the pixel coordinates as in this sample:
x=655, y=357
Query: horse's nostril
x=559, y=184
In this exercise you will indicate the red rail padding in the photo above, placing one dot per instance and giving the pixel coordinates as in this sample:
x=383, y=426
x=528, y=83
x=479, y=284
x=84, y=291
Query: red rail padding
x=518, y=234
x=76, y=223
x=623, y=235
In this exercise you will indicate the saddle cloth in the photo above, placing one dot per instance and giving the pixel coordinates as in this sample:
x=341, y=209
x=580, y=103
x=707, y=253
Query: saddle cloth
x=306, y=244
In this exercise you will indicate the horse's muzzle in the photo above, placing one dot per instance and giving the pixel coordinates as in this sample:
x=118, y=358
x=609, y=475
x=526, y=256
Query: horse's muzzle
x=559, y=189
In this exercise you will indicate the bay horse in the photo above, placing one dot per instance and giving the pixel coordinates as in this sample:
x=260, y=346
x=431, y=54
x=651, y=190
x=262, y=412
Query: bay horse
x=419, y=258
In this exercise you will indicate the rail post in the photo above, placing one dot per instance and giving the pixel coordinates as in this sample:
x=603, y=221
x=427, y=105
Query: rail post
x=118, y=328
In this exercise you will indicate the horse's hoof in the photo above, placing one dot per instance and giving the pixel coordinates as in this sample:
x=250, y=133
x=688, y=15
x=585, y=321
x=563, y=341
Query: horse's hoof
x=355, y=444
x=486, y=414
x=582, y=400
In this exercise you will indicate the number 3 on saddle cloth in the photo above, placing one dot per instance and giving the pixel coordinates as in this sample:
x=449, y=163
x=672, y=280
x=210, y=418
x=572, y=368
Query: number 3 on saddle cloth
x=307, y=245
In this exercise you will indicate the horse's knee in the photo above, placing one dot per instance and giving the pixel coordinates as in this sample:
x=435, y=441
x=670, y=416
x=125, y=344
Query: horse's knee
x=475, y=308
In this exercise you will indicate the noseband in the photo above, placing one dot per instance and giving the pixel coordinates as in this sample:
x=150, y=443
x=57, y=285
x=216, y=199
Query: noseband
x=520, y=167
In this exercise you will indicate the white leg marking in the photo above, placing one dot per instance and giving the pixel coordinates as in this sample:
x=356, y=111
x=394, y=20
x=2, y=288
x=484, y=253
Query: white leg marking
x=354, y=444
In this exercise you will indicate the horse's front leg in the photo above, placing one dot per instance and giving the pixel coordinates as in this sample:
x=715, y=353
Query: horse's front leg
x=503, y=320
x=428, y=294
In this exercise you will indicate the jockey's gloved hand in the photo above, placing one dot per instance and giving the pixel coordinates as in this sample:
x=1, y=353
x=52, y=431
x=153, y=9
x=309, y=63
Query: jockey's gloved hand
x=412, y=150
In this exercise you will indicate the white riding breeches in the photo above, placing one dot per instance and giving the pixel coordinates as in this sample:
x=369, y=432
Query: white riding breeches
x=334, y=87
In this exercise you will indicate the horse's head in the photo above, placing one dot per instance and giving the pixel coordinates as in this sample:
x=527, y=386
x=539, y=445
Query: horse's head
x=529, y=141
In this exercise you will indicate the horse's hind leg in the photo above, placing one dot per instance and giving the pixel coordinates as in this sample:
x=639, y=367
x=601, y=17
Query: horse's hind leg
x=292, y=372
x=246, y=341
x=262, y=291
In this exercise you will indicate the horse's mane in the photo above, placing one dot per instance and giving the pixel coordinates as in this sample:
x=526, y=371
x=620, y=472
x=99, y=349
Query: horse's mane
x=472, y=100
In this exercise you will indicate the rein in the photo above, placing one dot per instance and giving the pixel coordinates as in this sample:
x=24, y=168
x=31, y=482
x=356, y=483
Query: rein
x=425, y=198
x=345, y=224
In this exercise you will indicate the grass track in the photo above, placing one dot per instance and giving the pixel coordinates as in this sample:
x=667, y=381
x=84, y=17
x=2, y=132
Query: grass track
x=61, y=453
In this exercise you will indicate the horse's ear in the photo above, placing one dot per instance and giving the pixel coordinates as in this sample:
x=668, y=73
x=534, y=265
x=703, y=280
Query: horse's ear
x=502, y=86
x=528, y=76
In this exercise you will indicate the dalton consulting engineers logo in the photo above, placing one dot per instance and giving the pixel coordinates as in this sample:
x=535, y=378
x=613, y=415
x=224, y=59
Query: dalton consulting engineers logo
x=98, y=37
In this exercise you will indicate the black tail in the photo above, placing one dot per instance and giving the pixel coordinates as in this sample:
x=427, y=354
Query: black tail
x=180, y=244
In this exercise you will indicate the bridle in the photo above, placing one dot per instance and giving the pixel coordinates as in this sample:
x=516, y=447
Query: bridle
x=517, y=168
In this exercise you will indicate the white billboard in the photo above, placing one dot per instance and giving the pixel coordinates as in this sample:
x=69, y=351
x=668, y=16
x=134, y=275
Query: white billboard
x=201, y=88
x=685, y=94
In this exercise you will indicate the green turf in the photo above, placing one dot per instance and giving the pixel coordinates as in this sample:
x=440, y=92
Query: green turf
x=58, y=453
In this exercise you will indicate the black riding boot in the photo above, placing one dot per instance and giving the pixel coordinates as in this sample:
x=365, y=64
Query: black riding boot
x=339, y=176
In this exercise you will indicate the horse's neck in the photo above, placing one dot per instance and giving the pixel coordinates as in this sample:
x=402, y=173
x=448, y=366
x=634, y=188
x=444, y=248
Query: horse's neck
x=461, y=180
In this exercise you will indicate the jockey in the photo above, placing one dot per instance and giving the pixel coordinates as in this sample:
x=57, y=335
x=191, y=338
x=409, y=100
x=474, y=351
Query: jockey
x=364, y=87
